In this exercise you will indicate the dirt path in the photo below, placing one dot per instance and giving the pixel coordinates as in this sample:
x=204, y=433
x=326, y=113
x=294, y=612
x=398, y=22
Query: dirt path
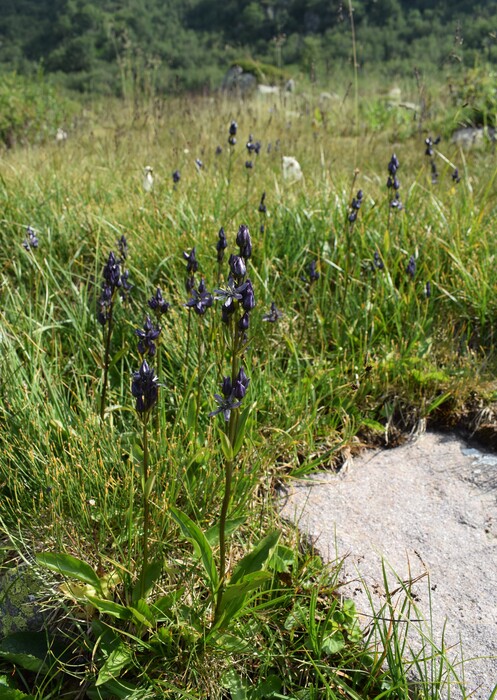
x=428, y=506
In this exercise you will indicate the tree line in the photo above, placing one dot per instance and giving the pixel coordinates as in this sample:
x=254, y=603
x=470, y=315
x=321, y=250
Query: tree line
x=158, y=46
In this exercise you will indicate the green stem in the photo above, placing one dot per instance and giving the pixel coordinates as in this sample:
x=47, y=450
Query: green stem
x=146, y=506
x=228, y=474
x=103, y=397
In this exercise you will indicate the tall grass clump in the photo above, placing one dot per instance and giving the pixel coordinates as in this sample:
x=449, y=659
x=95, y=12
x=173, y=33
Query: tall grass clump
x=270, y=325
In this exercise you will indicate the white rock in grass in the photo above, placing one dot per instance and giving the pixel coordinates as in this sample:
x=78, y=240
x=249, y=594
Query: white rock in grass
x=148, y=179
x=292, y=172
x=61, y=135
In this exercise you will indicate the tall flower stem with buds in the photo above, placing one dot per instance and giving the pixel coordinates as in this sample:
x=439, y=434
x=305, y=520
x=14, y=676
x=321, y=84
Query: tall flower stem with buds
x=238, y=301
x=145, y=389
x=114, y=281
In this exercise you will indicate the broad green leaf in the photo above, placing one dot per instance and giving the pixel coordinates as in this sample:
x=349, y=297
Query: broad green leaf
x=13, y=694
x=143, y=614
x=241, y=428
x=255, y=560
x=282, y=559
x=232, y=681
x=195, y=535
x=333, y=643
x=212, y=534
x=25, y=649
x=116, y=661
x=226, y=446
x=151, y=575
x=269, y=688
x=234, y=597
x=149, y=486
x=110, y=608
x=67, y=565
x=248, y=583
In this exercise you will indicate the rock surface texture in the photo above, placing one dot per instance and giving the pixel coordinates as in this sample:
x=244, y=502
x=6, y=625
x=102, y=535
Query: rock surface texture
x=427, y=507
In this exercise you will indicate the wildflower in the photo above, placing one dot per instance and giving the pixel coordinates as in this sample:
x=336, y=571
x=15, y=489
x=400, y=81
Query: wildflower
x=428, y=290
x=227, y=402
x=313, y=273
x=244, y=242
x=249, y=164
x=231, y=293
x=455, y=176
x=122, y=245
x=393, y=165
x=147, y=336
x=429, y=142
x=237, y=266
x=240, y=385
x=112, y=271
x=200, y=300
x=274, y=315
x=191, y=261
x=434, y=173
x=396, y=203
x=248, y=298
x=157, y=302
x=411, y=267
x=31, y=240
x=218, y=151
x=232, y=133
x=148, y=179
x=244, y=322
x=292, y=172
x=262, y=205
x=145, y=388
x=355, y=206
x=176, y=177
x=377, y=261
x=199, y=164
x=221, y=245
x=253, y=146
x=113, y=280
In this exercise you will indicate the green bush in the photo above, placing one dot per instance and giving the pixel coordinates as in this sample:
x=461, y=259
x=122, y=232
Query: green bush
x=31, y=110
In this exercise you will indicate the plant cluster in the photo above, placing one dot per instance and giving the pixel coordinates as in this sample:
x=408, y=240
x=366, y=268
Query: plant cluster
x=153, y=395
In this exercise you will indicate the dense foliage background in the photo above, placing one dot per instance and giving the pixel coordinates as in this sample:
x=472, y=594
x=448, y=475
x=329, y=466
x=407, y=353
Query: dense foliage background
x=170, y=45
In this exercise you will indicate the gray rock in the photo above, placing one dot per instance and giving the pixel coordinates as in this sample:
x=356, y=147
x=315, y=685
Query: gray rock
x=473, y=136
x=237, y=81
x=427, y=509
x=21, y=600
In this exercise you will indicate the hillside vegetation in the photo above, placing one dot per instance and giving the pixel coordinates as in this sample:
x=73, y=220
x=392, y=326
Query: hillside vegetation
x=170, y=45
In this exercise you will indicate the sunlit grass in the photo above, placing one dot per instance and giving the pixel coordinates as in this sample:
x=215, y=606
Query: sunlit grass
x=360, y=353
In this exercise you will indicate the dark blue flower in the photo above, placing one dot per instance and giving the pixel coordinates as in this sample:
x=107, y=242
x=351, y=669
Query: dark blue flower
x=428, y=290
x=244, y=242
x=240, y=384
x=31, y=240
x=145, y=388
x=244, y=322
x=122, y=245
x=248, y=298
x=262, y=205
x=377, y=261
x=411, y=267
x=231, y=293
x=455, y=176
x=237, y=266
x=274, y=315
x=157, y=302
x=221, y=245
x=147, y=336
x=191, y=261
x=200, y=300
x=176, y=177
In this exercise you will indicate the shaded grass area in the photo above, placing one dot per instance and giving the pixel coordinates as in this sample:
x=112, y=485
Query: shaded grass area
x=363, y=352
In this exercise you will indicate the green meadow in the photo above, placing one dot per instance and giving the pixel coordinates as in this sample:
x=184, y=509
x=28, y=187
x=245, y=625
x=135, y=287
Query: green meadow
x=140, y=509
